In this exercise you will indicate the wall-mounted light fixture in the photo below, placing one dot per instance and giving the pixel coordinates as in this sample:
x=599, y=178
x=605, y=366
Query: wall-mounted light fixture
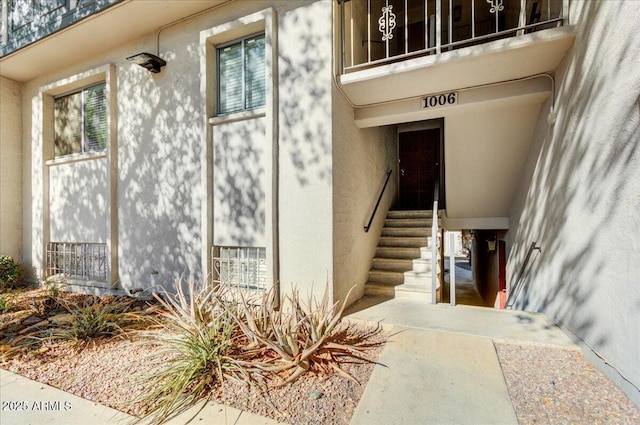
x=491, y=243
x=148, y=61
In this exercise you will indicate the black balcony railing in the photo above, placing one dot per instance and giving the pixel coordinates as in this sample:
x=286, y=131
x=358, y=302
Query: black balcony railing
x=23, y=22
x=381, y=31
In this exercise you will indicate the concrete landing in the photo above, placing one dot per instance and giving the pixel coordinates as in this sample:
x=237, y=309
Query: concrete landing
x=439, y=365
x=480, y=321
x=432, y=377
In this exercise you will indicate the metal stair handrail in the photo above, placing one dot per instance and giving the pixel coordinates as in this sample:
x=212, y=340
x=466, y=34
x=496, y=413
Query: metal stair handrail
x=518, y=286
x=368, y=226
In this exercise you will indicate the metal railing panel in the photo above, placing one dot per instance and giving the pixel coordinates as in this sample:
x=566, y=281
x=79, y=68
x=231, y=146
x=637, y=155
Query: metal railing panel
x=77, y=260
x=240, y=267
x=388, y=33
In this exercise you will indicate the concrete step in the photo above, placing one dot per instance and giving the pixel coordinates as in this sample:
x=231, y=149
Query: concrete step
x=378, y=288
x=424, y=214
x=396, y=252
x=393, y=264
x=425, y=252
x=406, y=231
x=407, y=222
x=422, y=265
x=386, y=276
x=413, y=291
x=401, y=241
x=403, y=252
x=404, y=247
x=416, y=278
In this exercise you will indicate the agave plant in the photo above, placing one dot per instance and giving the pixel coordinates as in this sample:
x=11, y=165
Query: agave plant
x=301, y=337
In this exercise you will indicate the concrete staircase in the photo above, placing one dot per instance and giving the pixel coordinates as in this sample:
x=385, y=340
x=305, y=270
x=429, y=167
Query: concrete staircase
x=402, y=266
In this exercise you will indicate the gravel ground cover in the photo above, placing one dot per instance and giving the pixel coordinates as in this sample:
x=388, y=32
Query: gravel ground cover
x=557, y=385
x=108, y=370
x=106, y=373
x=547, y=384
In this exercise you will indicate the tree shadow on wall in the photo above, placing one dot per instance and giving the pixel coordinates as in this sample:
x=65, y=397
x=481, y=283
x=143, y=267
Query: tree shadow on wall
x=161, y=119
x=160, y=129
x=239, y=183
x=305, y=96
x=575, y=189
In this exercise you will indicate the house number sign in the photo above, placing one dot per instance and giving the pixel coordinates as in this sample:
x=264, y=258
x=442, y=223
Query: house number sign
x=443, y=99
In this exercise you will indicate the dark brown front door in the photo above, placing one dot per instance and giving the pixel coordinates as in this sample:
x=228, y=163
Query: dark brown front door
x=419, y=157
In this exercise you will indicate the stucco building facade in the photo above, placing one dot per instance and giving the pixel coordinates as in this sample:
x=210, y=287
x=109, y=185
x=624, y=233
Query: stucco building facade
x=274, y=129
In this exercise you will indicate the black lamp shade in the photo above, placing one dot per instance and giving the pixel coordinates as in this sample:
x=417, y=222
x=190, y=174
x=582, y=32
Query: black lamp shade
x=148, y=61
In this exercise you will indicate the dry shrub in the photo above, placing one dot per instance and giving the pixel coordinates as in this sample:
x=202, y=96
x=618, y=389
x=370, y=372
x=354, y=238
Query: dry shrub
x=207, y=333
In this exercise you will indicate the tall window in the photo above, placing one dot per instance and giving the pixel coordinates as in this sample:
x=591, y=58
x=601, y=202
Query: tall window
x=80, y=121
x=241, y=75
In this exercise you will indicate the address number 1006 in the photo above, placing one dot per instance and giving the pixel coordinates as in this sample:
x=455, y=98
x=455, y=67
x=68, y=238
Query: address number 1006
x=437, y=100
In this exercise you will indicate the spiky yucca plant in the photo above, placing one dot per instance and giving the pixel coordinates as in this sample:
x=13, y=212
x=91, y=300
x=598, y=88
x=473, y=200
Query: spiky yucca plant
x=207, y=333
x=194, y=337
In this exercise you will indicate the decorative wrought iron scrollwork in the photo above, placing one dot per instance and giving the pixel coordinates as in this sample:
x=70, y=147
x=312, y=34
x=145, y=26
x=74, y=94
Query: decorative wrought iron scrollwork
x=496, y=6
x=387, y=23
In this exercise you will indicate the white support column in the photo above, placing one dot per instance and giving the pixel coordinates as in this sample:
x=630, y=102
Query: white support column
x=452, y=268
x=434, y=254
x=522, y=20
x=438, y=25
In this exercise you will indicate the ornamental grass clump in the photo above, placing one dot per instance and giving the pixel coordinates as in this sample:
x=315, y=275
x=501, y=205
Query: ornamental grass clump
x=194, y=336
x=92, y=318
x=77, y=323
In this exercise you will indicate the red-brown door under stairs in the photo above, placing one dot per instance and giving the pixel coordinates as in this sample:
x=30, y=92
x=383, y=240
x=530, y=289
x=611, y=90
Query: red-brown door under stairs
x=402, y=266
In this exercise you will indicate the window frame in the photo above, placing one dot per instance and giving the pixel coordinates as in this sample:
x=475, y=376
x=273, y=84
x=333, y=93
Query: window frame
x=83, y=142
x=242, y=41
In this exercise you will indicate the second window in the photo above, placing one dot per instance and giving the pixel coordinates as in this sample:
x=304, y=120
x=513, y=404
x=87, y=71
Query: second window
x=241, y=75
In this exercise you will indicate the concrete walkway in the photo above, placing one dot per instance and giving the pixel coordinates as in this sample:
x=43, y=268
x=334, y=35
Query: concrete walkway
x=440, y=364
x=440, y=367
x=27, y=402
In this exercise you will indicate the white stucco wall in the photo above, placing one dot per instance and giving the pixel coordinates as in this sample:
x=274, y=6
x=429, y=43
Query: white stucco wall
x=485, y=148
x=10, y=169
x=580, y=194
x=305, y=148
x=361, y=160
x=160, y=124
x=78, y=202
x=239, y=183
x=175, y=170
